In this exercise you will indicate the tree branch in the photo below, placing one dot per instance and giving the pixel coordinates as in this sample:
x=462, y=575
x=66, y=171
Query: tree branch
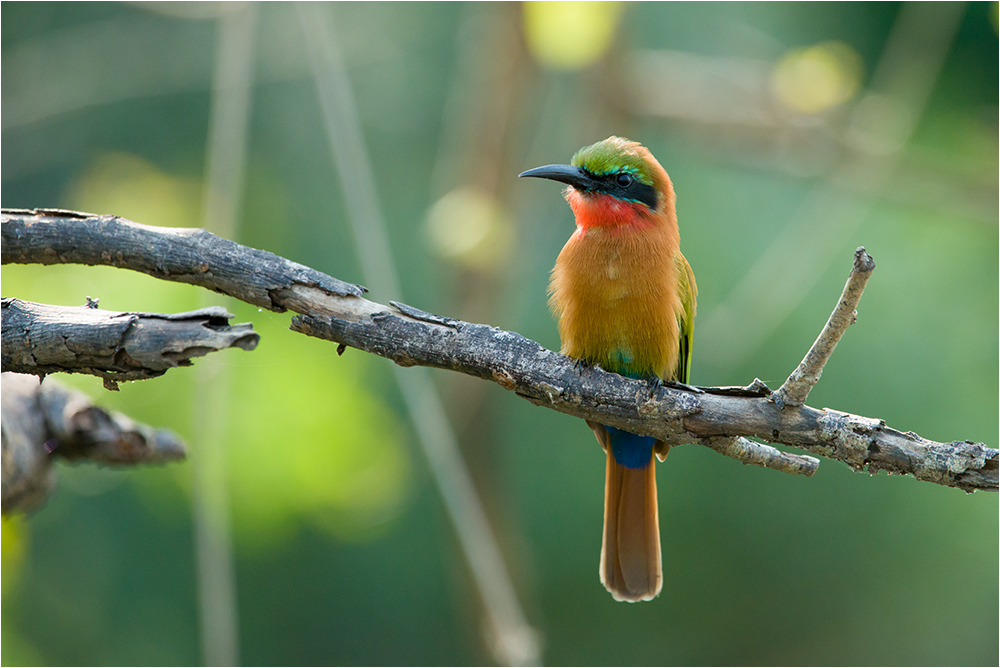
x=187, y=255
x=40, y=339
x=42, y=421
x=794, y=391
x=334, y=310
x=760, y=454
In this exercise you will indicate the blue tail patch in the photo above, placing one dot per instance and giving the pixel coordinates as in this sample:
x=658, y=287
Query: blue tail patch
x=630, y=450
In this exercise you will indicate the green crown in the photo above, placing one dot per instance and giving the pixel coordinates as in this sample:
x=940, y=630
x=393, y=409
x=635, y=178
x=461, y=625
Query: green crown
x=614, y=155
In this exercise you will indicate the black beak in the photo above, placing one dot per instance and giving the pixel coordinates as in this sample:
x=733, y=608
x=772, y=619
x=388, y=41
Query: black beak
x=574, y=176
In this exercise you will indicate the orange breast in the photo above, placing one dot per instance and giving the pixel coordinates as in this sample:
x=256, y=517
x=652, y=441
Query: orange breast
x=615, y=292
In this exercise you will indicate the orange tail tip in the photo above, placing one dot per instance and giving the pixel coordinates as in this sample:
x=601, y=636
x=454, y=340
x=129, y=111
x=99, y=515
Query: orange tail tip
x=631, y=567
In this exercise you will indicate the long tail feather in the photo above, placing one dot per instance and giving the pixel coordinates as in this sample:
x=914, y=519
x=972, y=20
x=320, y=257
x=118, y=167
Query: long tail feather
x=631, y=567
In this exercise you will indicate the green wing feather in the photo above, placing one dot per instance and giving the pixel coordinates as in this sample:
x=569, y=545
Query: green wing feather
x=689, y=302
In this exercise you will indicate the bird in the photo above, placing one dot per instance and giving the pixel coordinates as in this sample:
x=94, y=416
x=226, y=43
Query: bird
x=625, y=299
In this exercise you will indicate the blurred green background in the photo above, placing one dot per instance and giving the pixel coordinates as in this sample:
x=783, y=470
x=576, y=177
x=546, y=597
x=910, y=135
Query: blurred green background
x=793, y=134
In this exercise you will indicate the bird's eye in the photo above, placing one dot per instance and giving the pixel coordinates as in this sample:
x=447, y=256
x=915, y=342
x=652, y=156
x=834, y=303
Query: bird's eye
x=624, y=180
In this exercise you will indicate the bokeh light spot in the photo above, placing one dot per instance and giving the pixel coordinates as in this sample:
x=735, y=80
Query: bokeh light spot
x=570, y=35
x=13, y=545
x=813, y=79
x=470, y=227
x=138, y=190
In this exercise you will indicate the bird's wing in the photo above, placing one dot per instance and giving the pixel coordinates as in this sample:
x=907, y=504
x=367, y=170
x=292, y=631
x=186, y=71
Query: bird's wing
x=685, y=318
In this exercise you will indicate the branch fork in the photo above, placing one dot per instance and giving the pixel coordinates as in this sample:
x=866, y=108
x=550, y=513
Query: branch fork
x=795, y=390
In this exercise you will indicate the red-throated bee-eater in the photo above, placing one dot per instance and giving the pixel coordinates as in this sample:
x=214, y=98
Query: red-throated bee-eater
x=625, y=299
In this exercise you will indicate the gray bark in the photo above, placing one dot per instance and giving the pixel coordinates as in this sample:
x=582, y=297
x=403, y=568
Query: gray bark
x=41, y=422
x=41, y=339
x=334, y=310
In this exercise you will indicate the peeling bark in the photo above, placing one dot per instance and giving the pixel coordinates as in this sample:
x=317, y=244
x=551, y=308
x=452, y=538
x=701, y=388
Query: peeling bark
x=40, y=339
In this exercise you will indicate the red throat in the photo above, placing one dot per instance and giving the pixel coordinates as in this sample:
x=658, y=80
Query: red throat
x=600, y=210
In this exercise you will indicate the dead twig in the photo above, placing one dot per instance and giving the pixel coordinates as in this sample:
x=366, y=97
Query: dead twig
x=40, y=339
x=45, y=421
x=796, y=388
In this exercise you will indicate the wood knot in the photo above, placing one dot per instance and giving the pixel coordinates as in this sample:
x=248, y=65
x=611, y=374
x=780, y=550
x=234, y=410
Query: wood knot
x=504, y=379
x=402, y=358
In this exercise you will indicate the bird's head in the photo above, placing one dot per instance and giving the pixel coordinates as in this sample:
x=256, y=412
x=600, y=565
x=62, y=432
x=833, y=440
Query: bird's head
x=614, y=182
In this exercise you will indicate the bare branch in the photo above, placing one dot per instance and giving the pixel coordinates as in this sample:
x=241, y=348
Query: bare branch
x=42, y=421
x=762, y=455
x=40, y=339
x=674, y=416
x=187, y=255
x=795, y=390
x=409, y=337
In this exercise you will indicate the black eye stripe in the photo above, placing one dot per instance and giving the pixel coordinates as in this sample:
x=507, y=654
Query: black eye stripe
x=625, y=186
